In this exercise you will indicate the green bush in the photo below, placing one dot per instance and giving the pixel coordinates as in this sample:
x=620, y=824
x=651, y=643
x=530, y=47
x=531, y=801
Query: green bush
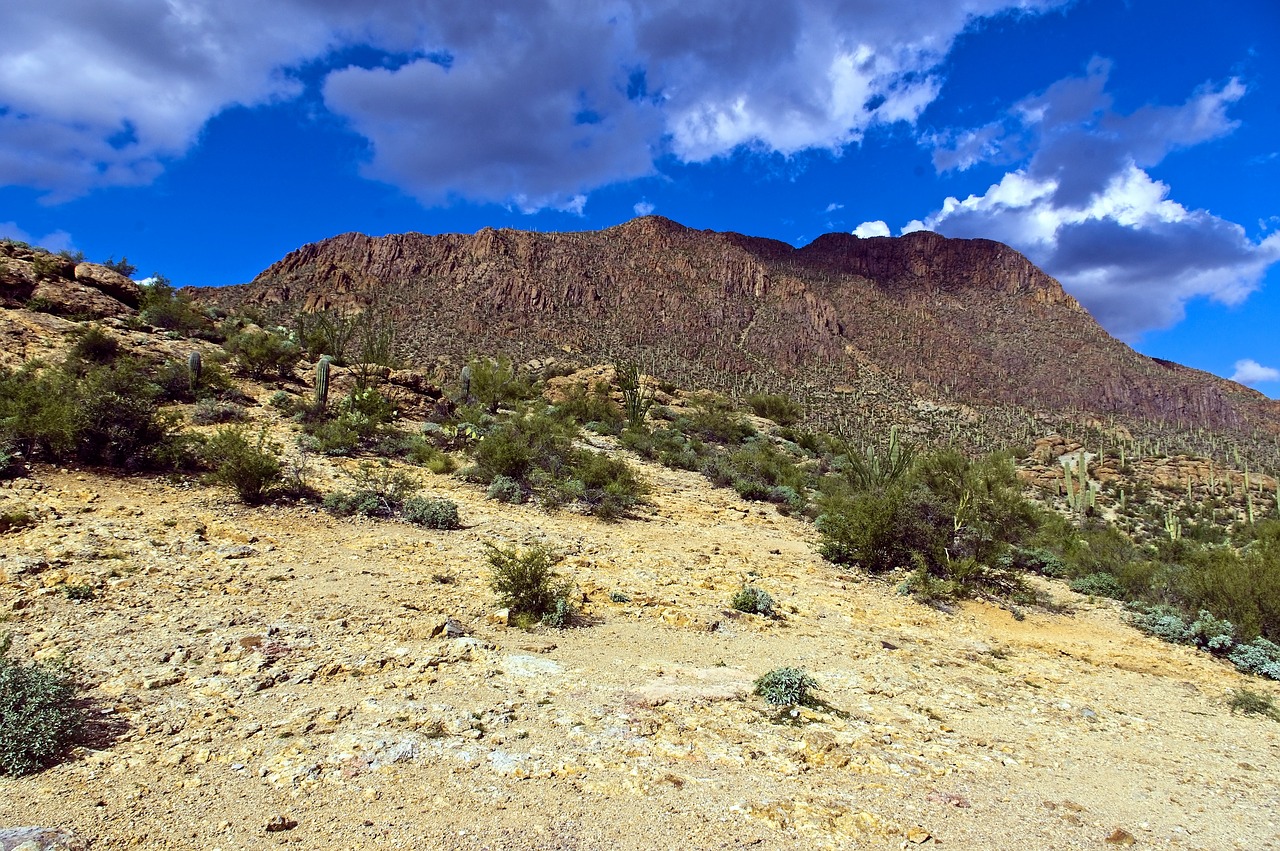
x=165, y=307
x=786, y=687
x=714, y=421
x=527, y=585
x=505, y=489
x=1260, y=657
x=585, y=406
x=95, y=345
x=753, y=600
x=39, y=715
x=1249, y=702
x=250, y=467
x=773, y=406
x=1098, y=585
x=258, y=353
x=496, y=382
x=536, y=452
x=211, y=412
x=333, y=437
x=431, y=513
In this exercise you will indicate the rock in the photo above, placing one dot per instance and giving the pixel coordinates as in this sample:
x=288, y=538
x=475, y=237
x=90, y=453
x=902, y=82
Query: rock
x=280, y=823
x=109, y=282
x=449, y=628
x=39, y=839
x=502, y=617
x=918, y=835
x=1120, y=836
x=242, y=551
x=71, y=298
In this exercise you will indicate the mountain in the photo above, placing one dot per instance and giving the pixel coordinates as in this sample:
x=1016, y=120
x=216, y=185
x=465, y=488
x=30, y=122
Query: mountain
x=842, y=323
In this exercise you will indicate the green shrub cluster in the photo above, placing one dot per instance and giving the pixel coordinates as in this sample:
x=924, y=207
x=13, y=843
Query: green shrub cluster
x=536, y=451
x=381, y=489
x=258, y=353
x=773, y=406
x=250, y=466
x=104, y=414
x=786, y=687
x=753, y=600
x=165, y=307
x=39, y=715
x=526, y=583
x=956, y=521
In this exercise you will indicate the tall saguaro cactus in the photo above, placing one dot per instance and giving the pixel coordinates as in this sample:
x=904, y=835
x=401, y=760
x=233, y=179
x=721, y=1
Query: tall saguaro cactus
x=322, y=383
x=194, y=367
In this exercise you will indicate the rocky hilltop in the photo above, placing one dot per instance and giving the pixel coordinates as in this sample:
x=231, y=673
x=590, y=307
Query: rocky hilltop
x=917, y=316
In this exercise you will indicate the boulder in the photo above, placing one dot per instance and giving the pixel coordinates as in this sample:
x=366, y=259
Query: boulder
x=110, y=282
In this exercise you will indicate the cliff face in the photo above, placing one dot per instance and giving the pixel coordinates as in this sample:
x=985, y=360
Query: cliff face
x=918, y=315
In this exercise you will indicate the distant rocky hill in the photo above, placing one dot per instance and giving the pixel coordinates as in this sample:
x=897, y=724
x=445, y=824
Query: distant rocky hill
x=843, y=323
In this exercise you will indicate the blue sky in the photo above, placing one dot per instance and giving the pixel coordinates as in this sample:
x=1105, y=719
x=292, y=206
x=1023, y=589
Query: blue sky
x=1132, y=149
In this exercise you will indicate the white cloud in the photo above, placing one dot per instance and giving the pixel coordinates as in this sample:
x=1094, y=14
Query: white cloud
x=1084, y=207
x=525, y=103
x=1249, y=371
x=869, y=229
x=58, y=240
x=643, y=208
x=832, y=207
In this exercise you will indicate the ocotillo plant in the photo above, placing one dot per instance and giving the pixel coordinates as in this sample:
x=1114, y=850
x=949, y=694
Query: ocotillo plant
x=322, y=383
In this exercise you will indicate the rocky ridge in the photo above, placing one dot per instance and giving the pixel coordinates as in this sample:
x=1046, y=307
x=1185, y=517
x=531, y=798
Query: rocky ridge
x=841, y=323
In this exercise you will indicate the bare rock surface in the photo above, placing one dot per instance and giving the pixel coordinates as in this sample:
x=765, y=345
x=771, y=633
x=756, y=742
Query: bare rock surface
x=306, y=691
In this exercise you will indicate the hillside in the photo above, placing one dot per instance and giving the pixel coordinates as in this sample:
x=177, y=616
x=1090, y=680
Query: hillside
x=848, y=325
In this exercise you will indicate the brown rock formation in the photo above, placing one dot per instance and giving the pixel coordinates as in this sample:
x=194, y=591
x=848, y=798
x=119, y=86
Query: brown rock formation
x=919, y=315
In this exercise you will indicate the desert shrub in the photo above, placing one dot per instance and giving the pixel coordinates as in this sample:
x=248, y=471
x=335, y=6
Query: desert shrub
x=345, y=503
x=774, y=406
x=1248, y=702
x=165, y=307
x=753, y=600
x=95, y=345
x=251, y=467
x=326, y=333
x=418, y=450
x=526, y=582
x=1098, y=585
x=592, y=406
x=1260, y=657
x=1037, y=560
x=212, y=412
x=15, y=519
x=284, y=402
x=496, y=382
x=123, y=266
x=1162, y=622
x=333, y=437
x=667, y=446
x=881, y=530
x=431, y=513
x=786, y=687
x=258, y=353
x=536, y=451
x=39, y=715
x=714, y=421
x=505, y=489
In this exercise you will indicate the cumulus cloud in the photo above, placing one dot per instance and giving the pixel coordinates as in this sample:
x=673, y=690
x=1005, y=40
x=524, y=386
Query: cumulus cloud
x=643, y=208
x=58, y=240
x=1084, y=207
x=868, y=229
x=1249, y=371
x=525, y=103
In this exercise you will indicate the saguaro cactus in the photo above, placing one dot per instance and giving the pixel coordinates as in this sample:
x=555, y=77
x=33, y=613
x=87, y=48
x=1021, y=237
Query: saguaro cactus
x=193, y=370
x=322, y=383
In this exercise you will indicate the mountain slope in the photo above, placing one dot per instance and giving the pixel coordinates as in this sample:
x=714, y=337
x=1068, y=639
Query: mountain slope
x=907, y=317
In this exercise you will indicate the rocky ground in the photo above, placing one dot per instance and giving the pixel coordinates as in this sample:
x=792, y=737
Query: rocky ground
x=278, y=677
